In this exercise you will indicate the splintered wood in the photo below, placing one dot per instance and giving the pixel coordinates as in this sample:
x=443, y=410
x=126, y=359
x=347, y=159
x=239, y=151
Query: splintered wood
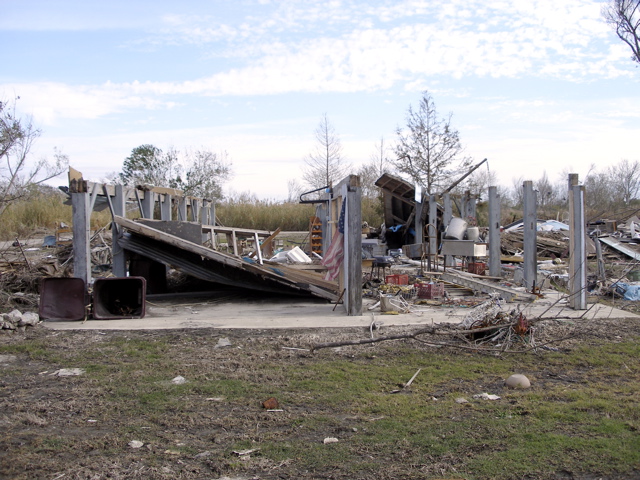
x=549, y=244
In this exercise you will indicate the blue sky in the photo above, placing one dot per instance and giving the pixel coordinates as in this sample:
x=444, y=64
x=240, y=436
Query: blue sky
x=534, y=85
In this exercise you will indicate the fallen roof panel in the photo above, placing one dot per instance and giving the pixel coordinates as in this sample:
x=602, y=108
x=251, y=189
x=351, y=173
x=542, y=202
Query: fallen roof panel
x=207, y=264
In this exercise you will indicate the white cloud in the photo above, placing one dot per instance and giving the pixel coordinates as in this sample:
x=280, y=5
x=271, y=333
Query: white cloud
x=413, y=41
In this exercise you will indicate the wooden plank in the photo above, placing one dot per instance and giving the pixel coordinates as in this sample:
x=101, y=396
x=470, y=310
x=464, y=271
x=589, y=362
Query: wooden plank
x=267, y=242
x=178, y=242
x=238, y=231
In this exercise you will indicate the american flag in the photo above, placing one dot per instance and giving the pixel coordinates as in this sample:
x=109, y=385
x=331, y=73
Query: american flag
x=335, y=254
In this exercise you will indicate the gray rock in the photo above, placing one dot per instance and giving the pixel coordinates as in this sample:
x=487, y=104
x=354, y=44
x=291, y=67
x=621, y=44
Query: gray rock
x=14, y=316
x=29, y=319
x=517, y=380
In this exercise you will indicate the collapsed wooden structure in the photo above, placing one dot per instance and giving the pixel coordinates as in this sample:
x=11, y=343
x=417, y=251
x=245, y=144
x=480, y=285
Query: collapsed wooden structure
x=181, y=243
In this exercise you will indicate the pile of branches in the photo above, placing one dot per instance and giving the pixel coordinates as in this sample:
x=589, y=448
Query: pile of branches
x=488, y=328
x=19, y=286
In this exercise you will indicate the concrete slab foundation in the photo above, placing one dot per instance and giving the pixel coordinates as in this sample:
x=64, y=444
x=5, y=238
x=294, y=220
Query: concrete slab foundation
x=296, y=313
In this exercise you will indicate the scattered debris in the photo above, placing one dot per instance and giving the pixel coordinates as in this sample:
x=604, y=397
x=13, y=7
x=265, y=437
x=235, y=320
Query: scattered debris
x=487, y=396
x=68, y=372
x=223, y=342
x=404, y=386
x=204, y=454
x=242, y=453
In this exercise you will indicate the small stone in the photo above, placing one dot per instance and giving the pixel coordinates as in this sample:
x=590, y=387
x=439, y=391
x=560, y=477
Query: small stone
x=518, y=381
x=328, y=440
x=223, y=342
x=13, y=316
x=461, y=400
x=135, y=444
x=29, y=319
x=179, y=380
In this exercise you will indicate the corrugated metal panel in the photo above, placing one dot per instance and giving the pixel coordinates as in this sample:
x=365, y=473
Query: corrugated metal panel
x=615, y=244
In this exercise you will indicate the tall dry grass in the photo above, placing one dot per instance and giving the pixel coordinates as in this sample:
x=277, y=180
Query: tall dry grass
x=270, y=215
x=42, y=212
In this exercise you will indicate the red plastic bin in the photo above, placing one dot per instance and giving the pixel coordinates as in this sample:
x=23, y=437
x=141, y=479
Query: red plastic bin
x=477, y=268
x=397, y=279
x=430, y=290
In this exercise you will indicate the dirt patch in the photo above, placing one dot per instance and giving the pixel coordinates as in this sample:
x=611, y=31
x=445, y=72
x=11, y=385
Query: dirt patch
x=80, y=427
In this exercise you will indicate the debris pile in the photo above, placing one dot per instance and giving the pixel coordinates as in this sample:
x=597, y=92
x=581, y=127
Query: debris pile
x=24, y=263
x=17, y=320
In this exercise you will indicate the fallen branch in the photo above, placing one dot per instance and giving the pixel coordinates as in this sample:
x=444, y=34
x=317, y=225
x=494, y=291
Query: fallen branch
x=372, y=340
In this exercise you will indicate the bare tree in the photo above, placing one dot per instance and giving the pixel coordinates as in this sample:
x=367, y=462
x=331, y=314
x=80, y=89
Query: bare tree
x=378, y=165
x=17, y=172
x=429, y=148
x=625, y=180
x=325, y=165
x=624, y=16
x=294, y=190
x=546, y=191
x=516, y=192
x=599, y=194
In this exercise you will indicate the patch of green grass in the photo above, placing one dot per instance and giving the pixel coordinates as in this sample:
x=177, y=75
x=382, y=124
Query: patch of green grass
x=580, y=415
x=35, y=349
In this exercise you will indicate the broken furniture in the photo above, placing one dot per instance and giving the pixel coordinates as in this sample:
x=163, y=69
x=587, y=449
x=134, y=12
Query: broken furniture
x=381, y=262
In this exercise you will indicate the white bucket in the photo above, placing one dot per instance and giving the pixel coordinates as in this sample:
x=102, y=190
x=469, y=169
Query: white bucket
x=473, y=233
x=385, y=303
x=455, y=229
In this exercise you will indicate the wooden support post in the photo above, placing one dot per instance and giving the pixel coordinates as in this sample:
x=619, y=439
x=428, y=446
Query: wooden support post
x=165, y=206
x=419, y=223
x=182, y=209
x=205, y=213
x=81, y=233
x=602, y=276
x=234, y=242
x=446, y=219
x=350, y=188
x=117, y=252
x=432, y=230
x=495, y=266
x=530, y=263
x=323, y=214
x=572, y=181
x=148, y=204
x=469, y=206
x=258, y=247
x=578, y=251
x=195, y=210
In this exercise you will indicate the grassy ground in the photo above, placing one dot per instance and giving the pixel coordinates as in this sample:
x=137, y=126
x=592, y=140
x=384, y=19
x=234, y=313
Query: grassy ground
x=580, y=419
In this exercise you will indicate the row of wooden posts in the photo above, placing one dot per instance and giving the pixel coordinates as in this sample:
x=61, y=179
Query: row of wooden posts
x=84, y=195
